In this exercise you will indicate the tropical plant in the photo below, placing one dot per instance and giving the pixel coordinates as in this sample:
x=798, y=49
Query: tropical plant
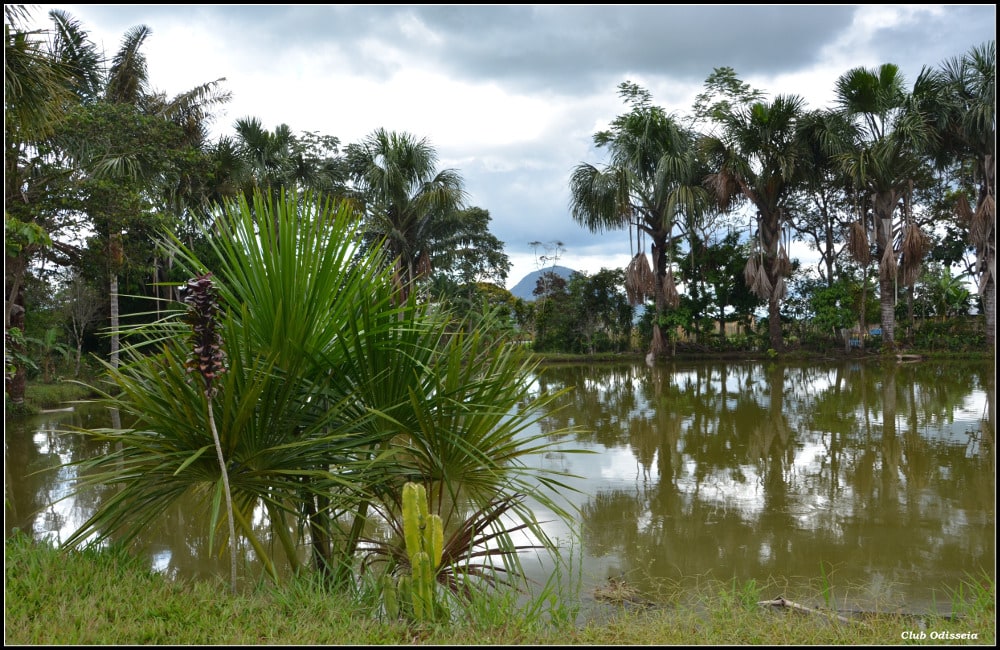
x=653, y=184
x=882, y=157
x=404, y=197
x=967, y=128
x=334, y=396
x=758, y=159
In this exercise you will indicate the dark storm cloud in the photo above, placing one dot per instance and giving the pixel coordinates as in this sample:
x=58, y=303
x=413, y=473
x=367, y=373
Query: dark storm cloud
x=912, y=45
x=574, y=48
x=562, y=49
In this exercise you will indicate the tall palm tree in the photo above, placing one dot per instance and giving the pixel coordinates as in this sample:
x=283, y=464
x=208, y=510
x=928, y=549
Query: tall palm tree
x=125, y=86
x=967, y=130
x=760, y=159
x=652, y=183
x=404, y=194
x=882, y=157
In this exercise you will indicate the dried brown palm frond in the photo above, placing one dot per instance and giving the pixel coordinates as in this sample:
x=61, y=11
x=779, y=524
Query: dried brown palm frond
x=781, y=266
x=887, y=266
x=751, y=270
x=761, y=286
x=983, y=222
x=989, y=274
x=857, y=243
x=915, y=246
x=780, y=289
x=670, y=295
x=639, y=279
x=963, y=210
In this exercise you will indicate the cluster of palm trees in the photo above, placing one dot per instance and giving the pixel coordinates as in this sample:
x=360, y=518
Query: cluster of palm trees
x=92, y=146
x=331, y=386
x=875, y=148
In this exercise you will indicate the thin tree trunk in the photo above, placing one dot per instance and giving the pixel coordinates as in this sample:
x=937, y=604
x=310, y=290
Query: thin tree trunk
x=114, y=319
x=990, y=307
x=774, y=324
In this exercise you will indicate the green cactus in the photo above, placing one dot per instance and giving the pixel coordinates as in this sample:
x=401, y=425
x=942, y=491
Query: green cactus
x=423, y=534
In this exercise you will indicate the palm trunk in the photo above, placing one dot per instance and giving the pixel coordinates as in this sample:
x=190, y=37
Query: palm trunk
x=887, y=303
x=774, y=324
x=990, y=307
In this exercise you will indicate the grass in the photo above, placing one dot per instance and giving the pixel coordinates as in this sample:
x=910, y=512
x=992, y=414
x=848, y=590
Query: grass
x=40, y=395
x=107, y=597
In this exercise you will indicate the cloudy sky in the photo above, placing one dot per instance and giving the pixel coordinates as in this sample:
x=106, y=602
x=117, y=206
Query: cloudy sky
x=511, y=95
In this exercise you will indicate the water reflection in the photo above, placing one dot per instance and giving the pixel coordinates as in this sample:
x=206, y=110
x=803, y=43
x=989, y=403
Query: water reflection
x=880, y=477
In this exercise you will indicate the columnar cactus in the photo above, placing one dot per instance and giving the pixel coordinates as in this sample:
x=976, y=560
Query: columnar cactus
x=424, y=537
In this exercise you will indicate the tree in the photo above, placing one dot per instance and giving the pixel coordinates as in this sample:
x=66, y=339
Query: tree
x=128, y=141
x=37, y=93
x=405, y=196
x=82, y=307
x=270, y=161
x=966, y=126
x=333, y=397
x=652, y=183
x=882, y=158
x=758, y=160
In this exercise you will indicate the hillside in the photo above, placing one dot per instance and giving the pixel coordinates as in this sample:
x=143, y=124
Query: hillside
x=525, y=288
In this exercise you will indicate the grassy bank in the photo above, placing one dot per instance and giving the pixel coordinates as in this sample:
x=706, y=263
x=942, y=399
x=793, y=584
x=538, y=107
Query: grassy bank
x=108, y=598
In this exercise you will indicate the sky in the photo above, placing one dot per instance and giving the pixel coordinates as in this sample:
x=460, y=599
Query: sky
x=510, y=96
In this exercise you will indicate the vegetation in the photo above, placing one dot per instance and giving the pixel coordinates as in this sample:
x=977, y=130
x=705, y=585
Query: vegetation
x=320, y=408
x=88, y=593
x=351, y=336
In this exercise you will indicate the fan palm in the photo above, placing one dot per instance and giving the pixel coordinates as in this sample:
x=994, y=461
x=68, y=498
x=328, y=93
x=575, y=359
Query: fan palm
x=966, y=126
x=334, y=397
x=652, y=183
x=404, y=196
x=882, y=157
x=760, y=160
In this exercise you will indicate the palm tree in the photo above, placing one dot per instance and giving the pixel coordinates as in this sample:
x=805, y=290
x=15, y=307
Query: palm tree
x=967, y=135
x=333, y=397
x=652, y=184
x=760, y=160
x=404, y=197
x=882, y=158
x=125, y=87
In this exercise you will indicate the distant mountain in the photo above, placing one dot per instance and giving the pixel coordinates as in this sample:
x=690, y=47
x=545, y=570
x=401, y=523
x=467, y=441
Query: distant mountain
x=526, y=287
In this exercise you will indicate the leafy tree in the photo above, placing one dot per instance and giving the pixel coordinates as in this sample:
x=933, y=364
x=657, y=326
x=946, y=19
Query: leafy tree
x=463, y=248
x=601, y=311
x=651, y=184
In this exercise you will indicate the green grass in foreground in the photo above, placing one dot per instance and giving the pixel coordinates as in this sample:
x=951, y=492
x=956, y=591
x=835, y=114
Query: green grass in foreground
x=107, y=598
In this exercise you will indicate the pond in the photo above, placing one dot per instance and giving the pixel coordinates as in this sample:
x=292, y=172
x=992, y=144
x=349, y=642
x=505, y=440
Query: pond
x=874, y=481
